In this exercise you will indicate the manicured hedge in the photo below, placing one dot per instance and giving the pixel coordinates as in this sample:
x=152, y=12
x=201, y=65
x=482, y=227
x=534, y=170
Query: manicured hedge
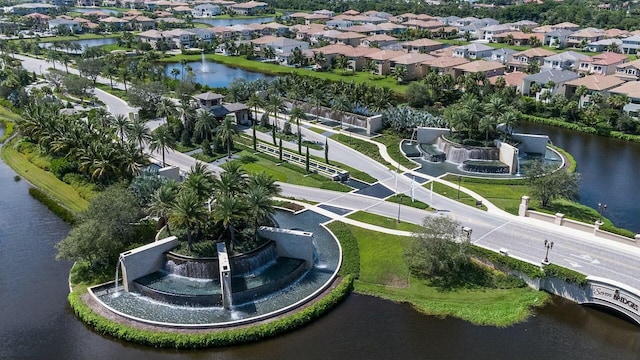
x=213, y=338
x=571, y=166
x=63, y=213
x=559, y=123
x=567, y=275
x=350, y=251
x=532, y=271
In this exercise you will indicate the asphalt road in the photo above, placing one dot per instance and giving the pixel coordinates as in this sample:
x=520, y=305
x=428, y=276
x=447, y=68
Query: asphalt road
x=523, y=237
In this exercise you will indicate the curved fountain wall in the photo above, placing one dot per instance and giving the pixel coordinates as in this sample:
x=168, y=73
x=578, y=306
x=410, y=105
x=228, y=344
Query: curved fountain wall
x=458, y=154
x=199, y=268
x=247, y=263
x=178, y=299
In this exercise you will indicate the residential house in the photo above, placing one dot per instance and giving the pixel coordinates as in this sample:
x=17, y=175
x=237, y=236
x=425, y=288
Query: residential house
x=488, y=68
x=281, y=44
x=556, y=38
x=346, y=38
x=474, y=30
x=604, y=45
x=181, y=10
x=115, y=23
x=378, y=14
x=630, y=45
x=518, y=38
x=275, y=28
x=366, y=29
x=203, y=34
x=249, y=8
x=390, y=28
x=326, y=13
x=594, y=84
x=205, y=10
x=379, y=41
x=603, y=64
x=351, y=12
x=466, y=21
x=442, y=64
x=523, y=25
x=339, y=24
x=513, y=79
x=566, y=26
x=71, y=25
x=142, y=23
x=568, y=60
x=242, y=31
x=182, y=38
x=502, y=55
x=616, y=33
x=632, y=90
x=152, y=37
x=473, y=51
x=583, y=37
x=488, y=22
x=521, y=60
x=382, y=59
x=629, y=71
x=222, y=32
x=412, y=62
x=490, y=31
x=208, y=100
x=554, y=77
x=38, y=21
x=421, y=45
x=449, y=20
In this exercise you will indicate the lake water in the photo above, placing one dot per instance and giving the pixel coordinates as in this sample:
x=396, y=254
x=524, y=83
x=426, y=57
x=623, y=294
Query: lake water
x=36, y=322
x=83, y=44
x=230, y=22
x=216, y=75
x=609, y=170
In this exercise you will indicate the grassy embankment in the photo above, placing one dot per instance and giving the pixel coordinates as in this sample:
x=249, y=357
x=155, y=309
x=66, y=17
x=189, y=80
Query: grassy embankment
x=383, y=273
x=71, y=37
x=383, y=221
x=61, y=192
x=274, y=69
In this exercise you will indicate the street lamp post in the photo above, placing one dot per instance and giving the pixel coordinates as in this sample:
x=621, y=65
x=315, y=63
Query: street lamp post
x=459, y=181
x=602, y=209
x=548, y=245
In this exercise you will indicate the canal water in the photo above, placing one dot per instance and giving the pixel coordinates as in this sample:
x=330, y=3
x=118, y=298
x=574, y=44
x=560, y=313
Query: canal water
x=83, y=44
x=231, y=22
x=609, y=170
x=36, y=322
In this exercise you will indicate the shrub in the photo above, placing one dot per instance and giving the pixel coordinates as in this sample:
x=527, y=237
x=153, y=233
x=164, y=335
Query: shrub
x=85, y=189
x=350, y=250
x=566, y=275
x=63, y=213
x=61, y=166
x=213, y=338
x=532, y=271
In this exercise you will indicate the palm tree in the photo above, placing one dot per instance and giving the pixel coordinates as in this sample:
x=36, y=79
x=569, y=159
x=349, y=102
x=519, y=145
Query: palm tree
x=400, y=72
x=318, y=98
x=162, y=202
x=228, y=210
x=618, y=101
x=259, y=206
x=473, y=110
x=205, y=124
x=534, y=89
x=510, y=119
x=138, y=133
x=188, y=213
x=122, y=125
x=125, y=75
x=162, y=140
x=371, y=67
x=296, y=115
x=341, y=104
x=266, y=181
x=276, y=105
x=319, y=59
x=487, y=124
x=166, y=108
x=175, y=72
x=255, y=101
x=225, y=132
x=342, y=62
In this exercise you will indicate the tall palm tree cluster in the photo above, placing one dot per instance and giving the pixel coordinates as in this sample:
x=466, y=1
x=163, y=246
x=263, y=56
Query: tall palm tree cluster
x=231, y=207
x=101, y=147
x=476, y=121
x=13, y=79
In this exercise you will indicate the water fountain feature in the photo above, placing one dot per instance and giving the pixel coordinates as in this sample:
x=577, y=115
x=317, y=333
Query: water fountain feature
x=204, y=67
x=272, y=279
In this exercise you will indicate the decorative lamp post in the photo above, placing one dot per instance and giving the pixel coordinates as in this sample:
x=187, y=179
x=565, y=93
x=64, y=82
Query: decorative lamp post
x=549, y=245
x=602, y=209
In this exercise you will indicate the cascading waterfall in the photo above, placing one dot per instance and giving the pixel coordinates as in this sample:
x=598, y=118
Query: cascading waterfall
x=459, y=154
x=256, y=262
x=194, y=269
x=118, y=264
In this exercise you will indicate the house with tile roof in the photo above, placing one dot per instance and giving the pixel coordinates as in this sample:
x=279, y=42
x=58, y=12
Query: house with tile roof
x=443, y=64
x=382, y=59
x=630, y=45
x=594, y=84
x=514, y=79
x=473, y=51
x=522, y=60
x=380, y=40
x=488, y=68
x=629, y=71
x=412, y=62
x=554, y=76
x=585, y=36
x=421, y=45
x=632, y=90
x=556, y=38
x=603, y=64
x=249, y=8
x=502, y=55
x=568, y=60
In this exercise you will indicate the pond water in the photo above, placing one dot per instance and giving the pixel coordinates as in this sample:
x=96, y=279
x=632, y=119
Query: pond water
x=231, y=22
x=94, y=9
x=609, y=171
x=83, y=44
x=215, y=74
x=36, y=322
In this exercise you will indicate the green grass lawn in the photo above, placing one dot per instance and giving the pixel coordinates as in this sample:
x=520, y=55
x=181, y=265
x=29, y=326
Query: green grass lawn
x=506, y=194
x=369, y=149
x=274, y=69
x=288, y=175
x=392, y=142
x=384, y=274
x=383, y=221
x=58, y=190
x=453, y=193
x=406, y=200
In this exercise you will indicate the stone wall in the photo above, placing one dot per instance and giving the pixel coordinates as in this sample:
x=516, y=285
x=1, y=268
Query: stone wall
x=508, y=155
x=530, y=143
x=291, y=243
x=429, y=135
x=144, y=260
